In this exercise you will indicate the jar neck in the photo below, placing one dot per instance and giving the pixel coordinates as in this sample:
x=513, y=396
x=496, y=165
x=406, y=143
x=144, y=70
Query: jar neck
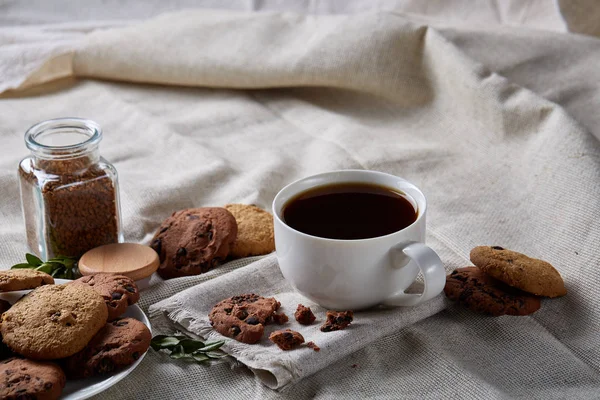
x=68, y=144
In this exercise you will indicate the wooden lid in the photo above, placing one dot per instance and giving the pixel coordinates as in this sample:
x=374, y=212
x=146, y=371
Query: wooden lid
x=130, y=259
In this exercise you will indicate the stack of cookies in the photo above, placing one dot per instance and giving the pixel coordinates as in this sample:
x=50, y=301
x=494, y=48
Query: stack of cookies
x=503, y=282
x=195, y=240
x=60, y=332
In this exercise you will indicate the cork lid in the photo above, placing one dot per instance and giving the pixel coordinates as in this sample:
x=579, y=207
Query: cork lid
x=130, y=259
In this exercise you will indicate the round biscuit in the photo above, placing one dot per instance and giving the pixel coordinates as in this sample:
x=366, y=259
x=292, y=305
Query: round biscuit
x=255, y=231
x=53, y=321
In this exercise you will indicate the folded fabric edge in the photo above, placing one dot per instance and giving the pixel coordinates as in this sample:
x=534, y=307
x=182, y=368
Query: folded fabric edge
x=56, y=67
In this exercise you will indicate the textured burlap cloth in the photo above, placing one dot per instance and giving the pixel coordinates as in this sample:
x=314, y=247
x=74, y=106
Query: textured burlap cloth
x=188, y=312
x=385, y=91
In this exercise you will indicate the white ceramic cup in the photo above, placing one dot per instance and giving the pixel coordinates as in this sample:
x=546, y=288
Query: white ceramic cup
x=357, y=274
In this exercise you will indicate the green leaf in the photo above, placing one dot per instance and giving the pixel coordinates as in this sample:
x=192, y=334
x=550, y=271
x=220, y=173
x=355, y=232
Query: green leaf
x=212, y=346
x=69, y=262
x=200, y=357
x=57, y=273
x=164, y=342
x=178, y=353
x=33, y=260
x=47, y=268
x=191, y=345
x=214, y=355
x=22, y=265
x=182, y=347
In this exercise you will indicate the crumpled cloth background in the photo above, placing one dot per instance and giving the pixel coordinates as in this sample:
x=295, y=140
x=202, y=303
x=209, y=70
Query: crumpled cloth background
x=492, y=111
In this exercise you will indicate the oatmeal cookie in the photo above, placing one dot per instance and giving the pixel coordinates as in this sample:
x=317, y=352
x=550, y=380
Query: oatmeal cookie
x=22, y=279
x=255, y=231
x=515, y=269
x=53, y=321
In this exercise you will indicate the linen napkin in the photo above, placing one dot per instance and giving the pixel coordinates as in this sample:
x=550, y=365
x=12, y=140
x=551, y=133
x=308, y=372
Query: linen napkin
x=188, y=311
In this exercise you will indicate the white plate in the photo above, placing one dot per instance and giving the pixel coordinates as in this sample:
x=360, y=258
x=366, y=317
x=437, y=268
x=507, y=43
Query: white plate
x=84, y=388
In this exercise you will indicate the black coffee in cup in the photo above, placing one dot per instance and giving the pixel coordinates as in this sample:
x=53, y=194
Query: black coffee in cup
x=349, y=211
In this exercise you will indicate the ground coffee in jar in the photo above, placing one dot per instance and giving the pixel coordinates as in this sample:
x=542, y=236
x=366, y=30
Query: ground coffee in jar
x=69, y=194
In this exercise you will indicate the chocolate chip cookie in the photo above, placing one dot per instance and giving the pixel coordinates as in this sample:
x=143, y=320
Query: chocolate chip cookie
x=286, y=339
x=304, y=315
x=22, y=279
x=118, y=344
x=193, y=241
x=27, y=379
x=337, y=320
x=118, y=291
x=255, y=231
x=53, y=321
x=243, y=317
x=515, y=269
x=481, y=293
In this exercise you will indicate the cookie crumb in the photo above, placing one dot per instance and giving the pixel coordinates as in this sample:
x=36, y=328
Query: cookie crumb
x=286, y=339
x=312, y=345
x=337, y=320
x=280, y=319
x=304, y=315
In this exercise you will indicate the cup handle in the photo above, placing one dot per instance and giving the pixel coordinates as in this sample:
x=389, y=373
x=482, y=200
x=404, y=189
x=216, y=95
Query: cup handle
x=432, y=268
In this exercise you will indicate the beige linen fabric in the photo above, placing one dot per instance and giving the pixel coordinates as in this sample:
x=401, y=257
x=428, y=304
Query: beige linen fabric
x=188, y=311
x=498, y=163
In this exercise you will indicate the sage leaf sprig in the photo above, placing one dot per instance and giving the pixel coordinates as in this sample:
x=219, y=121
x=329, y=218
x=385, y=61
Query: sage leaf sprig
x=59, y=267
x=186, y=348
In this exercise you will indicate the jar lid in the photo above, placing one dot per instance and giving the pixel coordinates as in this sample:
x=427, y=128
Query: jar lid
x=133, y=260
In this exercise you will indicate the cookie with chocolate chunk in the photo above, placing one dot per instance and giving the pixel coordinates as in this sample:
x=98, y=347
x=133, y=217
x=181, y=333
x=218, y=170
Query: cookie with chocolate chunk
x=481, y=293
x=118, y=291
x=286, y=339
x=337, y=320
x=518, y=270
x=255, y=231
x=304, y=315
x=243, y=317
x=22, y=279
x=193, y=241
x=27, y=379
x=119, y=344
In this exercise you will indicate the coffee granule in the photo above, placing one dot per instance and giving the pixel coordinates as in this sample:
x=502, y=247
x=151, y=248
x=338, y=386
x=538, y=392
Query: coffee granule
x=78, y=205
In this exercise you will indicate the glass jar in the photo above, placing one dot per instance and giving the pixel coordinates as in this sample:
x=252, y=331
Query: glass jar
x=69, y=194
